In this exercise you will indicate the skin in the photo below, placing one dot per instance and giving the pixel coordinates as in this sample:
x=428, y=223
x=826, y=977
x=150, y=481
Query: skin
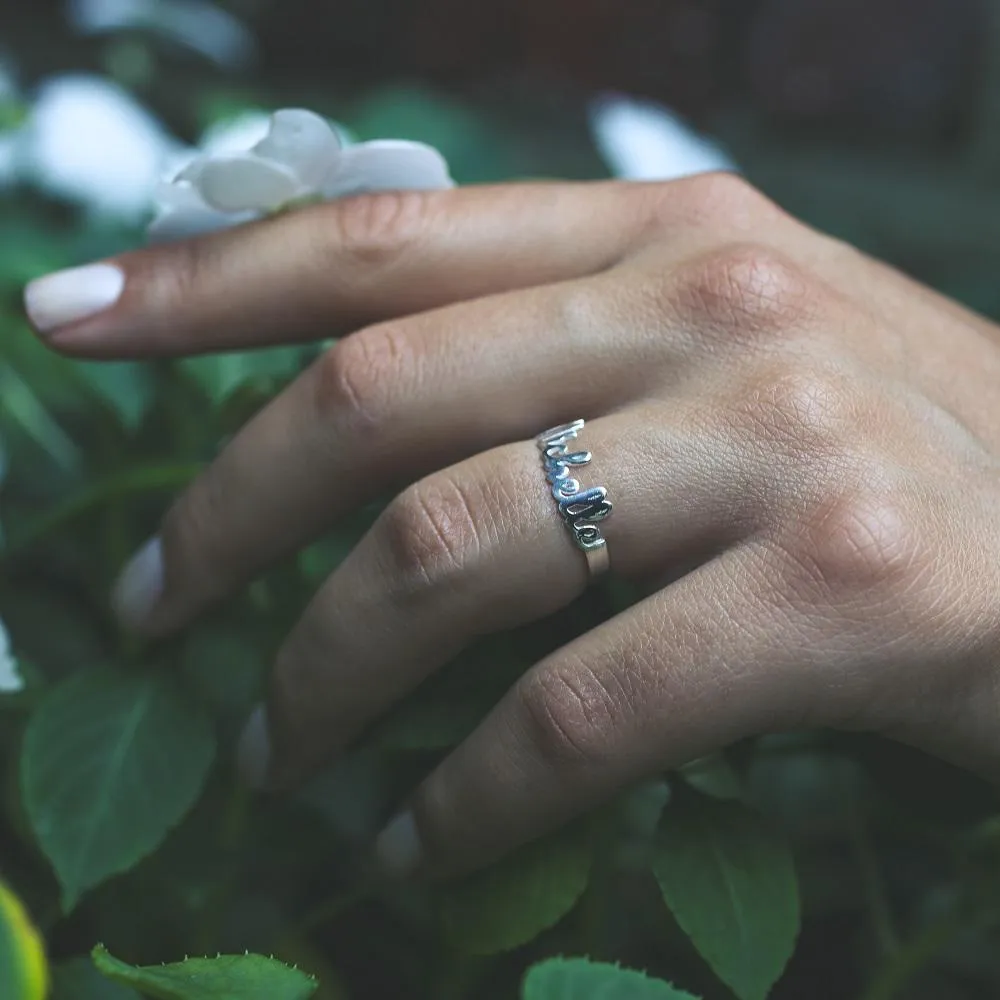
x=802, y=445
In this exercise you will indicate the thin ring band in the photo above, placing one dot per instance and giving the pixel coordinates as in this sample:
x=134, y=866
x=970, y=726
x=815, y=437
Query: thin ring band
x=581, y=510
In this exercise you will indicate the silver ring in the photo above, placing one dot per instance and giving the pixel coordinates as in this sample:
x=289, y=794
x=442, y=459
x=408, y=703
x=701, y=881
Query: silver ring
x=582, y=510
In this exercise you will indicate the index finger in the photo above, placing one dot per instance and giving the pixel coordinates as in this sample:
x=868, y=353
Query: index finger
x=328, y=269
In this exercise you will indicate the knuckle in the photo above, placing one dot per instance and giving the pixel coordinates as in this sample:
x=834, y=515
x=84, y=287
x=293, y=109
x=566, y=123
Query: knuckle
x=432, y=532
x=804, y=413
x=359, y=377
x=745, y=293
x=177, y=276
x=864, y=547
x=569, y=715
x=376, y=229
x=722, y=198
x=717, y=201
x=575, y=306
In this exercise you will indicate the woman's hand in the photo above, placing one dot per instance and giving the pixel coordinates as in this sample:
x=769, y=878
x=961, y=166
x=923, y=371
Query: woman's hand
x=801, y=446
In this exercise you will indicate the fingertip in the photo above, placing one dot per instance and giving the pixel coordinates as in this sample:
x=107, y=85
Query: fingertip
x=58, y=300
x=399, y=851
x=139, y=588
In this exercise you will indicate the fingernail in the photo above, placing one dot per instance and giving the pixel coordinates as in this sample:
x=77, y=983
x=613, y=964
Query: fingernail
x=398, y=851
x=140, y=586
x=253, y=754
x=68, y=296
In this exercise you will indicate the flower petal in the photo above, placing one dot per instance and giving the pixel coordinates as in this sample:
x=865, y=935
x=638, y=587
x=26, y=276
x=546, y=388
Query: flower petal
x=387, y=165
x=181, y=212
x=243, y=183
x=302, y=141
x=177, y=194
x=181, y=223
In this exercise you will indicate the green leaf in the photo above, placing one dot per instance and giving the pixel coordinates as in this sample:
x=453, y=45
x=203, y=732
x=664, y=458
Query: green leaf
x=22, y=405
x=226, y=664
x=127, y=387
x=77, y=979
x=27, y=250
x=713, y=776
x=514, y=901
x=580, y=979
x=24, y=973
x=444, y=710
x=475, y=151
x=228, y=977
x=111, y=763
x=730, y=883
x=221, y=375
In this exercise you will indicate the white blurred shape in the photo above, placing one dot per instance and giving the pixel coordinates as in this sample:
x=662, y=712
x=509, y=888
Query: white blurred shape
x=11, y=680
x=105, y=15
x=88, y=140
x=195, y=24
x=642, y=140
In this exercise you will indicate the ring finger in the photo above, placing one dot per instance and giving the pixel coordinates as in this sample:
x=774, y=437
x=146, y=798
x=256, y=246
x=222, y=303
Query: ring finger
x=479, y=548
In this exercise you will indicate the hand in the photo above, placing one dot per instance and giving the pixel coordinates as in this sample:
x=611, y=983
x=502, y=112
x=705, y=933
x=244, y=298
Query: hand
x=802, y=447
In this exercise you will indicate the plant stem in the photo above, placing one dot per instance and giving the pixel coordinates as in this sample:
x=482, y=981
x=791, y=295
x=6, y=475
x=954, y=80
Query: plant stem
x=148, y=479
x=335, y=907
x=461, y=975
x=914, y=956
x=879, y=907
x=231, y=829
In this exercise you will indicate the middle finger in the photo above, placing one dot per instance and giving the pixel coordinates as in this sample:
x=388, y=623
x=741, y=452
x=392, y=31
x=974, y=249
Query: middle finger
x=383, y=407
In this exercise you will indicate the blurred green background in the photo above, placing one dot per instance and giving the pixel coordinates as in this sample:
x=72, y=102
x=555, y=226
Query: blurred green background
x=876, y=120
x=873, y=118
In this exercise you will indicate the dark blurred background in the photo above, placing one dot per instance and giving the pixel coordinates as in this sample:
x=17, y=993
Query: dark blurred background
x=877, y=119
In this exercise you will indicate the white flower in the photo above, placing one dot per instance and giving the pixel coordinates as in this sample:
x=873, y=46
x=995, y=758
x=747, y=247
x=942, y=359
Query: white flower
x=301, y=158
x=11, y=680
x=644, y=141
x=90, y=141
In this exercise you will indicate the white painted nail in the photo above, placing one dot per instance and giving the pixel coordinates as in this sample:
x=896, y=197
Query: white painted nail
x=68, y=296
x=253, y=754
x=398, y=851
x=140, y=586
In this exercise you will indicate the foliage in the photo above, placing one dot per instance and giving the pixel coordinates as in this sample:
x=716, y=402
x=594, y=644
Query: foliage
x=731, y=885
x=23, y=969
x=121, y=820
x=110, y=764
x=249, y=977
x=578, y=979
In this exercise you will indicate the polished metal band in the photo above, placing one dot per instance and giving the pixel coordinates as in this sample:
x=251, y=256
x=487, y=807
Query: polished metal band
x=580, y=509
